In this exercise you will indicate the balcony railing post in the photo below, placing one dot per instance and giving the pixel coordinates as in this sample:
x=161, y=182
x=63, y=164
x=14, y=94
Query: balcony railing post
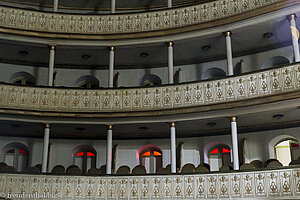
x=55, y=5
x=229, y=53
x=113, y=6
x=170, y=63
x=51, y=65
x=45, y=148
x=169, y=3
x=235, y=150
x=108, y=149
x=111, y=66
x=173, y=147
x=295, y=37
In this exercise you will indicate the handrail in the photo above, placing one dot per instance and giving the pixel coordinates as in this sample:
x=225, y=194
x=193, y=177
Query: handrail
x=271, y=82
x=277, y=183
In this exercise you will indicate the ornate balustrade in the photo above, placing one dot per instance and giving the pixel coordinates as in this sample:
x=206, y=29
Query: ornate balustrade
x=272, y=82
x=72, y=25
x=272, y=184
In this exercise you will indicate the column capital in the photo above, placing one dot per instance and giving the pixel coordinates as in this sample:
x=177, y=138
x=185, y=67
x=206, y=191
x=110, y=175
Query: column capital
x=112, y=48
x=233, y=119
x=47, y=125
x=227, y=33
x=172, y=124
x=109, y=127
x=170, y=44
x=52, y=47
x=291, y=16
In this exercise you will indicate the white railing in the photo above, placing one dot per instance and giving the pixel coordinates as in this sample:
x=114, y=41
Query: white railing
x=271, y=184
x=126, y=23
x=277, y=81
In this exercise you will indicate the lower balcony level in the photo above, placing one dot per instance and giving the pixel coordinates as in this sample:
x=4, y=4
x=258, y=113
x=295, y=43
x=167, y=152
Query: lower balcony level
x=268, y=184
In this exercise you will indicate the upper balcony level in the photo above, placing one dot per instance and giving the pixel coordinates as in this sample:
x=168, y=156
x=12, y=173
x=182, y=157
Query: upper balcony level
x=132, y=25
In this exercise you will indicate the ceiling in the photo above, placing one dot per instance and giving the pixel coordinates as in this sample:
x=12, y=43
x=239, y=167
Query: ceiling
x=195, y=128
x=245, y=41
x=92, y=6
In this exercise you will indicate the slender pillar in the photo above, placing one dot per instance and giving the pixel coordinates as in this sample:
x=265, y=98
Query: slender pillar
x=235, y=150
x=51, y=65
x=229, y=53
x=45, y=148
x=173, y=147
x=113, y=6
x=295, y=37
x=169, y=3
x=111, y=67
x=55, y=5
x=170, y=62
x=108, y=149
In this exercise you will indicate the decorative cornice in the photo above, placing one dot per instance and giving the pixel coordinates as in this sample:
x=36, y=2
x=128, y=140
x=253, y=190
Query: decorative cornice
x=252, y=185
x=76, y=25
x=274, y=82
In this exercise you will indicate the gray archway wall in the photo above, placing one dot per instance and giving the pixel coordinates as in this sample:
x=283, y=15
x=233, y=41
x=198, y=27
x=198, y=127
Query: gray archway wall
x=87, y=79
x=275, y=61
x=30, y=79
x=150, y=80
x=213, y=73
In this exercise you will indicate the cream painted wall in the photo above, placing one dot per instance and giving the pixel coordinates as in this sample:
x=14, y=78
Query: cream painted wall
x=130, y=77
x=61, y=150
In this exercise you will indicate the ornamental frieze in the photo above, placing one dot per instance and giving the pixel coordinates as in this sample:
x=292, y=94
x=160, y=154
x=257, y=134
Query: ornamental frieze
x=272, y=82
x=126, y=23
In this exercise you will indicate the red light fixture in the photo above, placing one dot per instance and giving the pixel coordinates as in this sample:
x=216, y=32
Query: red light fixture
x=215, y=151
x=146, y=153
x=225, y=150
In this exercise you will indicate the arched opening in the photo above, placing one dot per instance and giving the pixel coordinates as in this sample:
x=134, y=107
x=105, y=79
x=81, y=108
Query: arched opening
x=84, y=157
x=286, y=151
x=275, y=61
x=22, y=78
x=219, y=155
x=16, y=155
x=150, y=80
x=87, y=82
x=213, y=73
x=150, y=157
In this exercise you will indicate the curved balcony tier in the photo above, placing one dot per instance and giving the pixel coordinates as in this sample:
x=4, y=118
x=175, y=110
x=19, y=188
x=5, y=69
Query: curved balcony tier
x=134, y=25
x=259, y=88
x=269, y=184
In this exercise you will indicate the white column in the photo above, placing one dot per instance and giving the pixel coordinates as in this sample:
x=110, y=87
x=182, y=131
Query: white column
x=108, y=149
x=169, y=3
x=45, y=148
x=295, y=37
x=173, y=147
x=113, y=6
x=51, y=65
x=55, y=5
x=111, y=67
x=235, y=150
x=170, y=63
x=229, y=53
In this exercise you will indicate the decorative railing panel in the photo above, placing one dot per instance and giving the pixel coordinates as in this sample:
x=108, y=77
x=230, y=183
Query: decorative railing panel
x=260, y=84
x=284, y=183
x=126, y=23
